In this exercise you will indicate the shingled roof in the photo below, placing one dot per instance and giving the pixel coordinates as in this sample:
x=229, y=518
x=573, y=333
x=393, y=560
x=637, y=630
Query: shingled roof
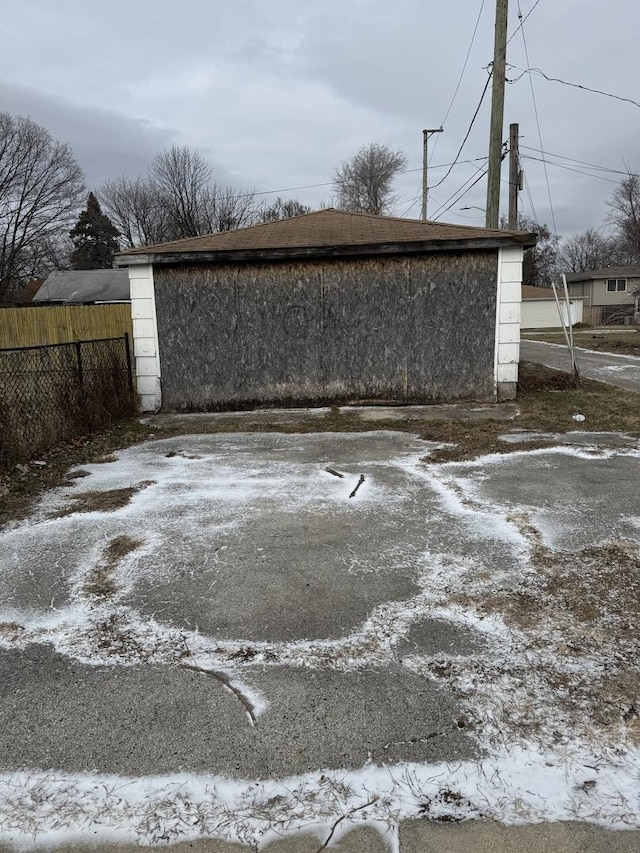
x=325, y=233
x=628, y=271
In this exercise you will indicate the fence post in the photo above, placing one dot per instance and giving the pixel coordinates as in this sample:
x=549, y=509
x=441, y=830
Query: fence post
x=129, y=368
x=79, y=360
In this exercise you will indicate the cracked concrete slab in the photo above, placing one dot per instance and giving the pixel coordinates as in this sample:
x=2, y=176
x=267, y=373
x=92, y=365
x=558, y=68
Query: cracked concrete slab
x=146, y=720
x=571, y=515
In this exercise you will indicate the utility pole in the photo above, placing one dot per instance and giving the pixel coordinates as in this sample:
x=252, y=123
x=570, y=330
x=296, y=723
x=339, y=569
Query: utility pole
x=425, y=162
x=515, y=184
x=497, y=112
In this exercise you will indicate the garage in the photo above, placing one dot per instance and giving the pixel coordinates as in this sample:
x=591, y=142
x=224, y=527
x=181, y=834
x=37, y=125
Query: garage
x=327, y=307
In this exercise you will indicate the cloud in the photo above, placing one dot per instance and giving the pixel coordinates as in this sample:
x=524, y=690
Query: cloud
x=277, y=94
x=105, y=143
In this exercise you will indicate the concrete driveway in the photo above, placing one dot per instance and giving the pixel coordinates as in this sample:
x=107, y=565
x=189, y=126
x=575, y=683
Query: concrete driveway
x=620, y=370
x=252, y=637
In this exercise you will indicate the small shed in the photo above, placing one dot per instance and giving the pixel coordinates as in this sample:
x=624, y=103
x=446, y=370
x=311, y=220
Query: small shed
x=327, y=307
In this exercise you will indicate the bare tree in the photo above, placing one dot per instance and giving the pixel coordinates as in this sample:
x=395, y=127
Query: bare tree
x=181, y=179
x=224, y=208
x=136, y=211
x=624, y=215
x=540, y=263
x=281, y=209
x=590, y=251
x=177, y=199
x=41, y=190
x=364, y=184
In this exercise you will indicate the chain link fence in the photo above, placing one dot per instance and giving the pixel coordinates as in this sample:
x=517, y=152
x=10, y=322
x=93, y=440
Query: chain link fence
x=58, y=392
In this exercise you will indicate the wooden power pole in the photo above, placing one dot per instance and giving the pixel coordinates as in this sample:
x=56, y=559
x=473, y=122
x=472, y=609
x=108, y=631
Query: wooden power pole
x=514, y=176
x=425, y=163
x=497, y=112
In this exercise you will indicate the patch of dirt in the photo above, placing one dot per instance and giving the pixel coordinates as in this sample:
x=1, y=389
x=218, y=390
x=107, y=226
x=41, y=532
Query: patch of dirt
x=10, y=630
x=100, y=583
x=103, y=460
x=532, y=378
x=107, y=501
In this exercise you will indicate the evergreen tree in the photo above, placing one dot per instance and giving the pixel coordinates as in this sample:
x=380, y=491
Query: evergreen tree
x=94, y=238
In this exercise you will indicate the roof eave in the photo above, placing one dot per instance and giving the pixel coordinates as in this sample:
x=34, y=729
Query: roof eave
x=322, y=252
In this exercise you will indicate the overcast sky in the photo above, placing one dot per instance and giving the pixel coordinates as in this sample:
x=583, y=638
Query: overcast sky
x=276, y=93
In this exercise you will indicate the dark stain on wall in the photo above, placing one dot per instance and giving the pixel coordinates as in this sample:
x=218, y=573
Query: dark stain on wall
x=400, y=329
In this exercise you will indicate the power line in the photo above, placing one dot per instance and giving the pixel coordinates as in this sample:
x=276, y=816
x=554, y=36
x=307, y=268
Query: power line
x=541, y=73
x=456, y=191
x=459, y=198
x=468, y=133
x=575, y=160
x=570, y=169
x=444, y=165
x=458, y=84
x=529, y=196
x=537, y=117
x=460, y=191
x=413, y=201
x=519, y=27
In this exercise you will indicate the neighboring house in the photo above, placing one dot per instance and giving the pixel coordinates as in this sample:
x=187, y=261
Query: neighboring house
x=328, y=306
x=29, y=291
x=84, y=287
x=609, y=294
x=540, y=309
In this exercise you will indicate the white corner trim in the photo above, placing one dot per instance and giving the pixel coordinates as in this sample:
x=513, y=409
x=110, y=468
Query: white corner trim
x=145, y=337
x=508, y=313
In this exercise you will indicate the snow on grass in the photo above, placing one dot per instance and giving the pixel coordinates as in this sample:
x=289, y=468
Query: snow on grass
x=521, y=787
x=549, y=696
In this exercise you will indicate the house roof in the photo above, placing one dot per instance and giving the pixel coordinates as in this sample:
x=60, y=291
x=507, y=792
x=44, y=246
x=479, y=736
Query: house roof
x=325, y=233
x=85, y=286
x=629, y=271
x=531, y=292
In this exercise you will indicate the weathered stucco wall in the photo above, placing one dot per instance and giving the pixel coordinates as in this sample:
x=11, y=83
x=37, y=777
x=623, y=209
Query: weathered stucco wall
x=418, y=329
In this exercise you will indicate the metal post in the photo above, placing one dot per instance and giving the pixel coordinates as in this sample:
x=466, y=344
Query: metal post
x=129, y=367
x=79, y=360
x=425, y=164
x=497, y=112
x=514, y=176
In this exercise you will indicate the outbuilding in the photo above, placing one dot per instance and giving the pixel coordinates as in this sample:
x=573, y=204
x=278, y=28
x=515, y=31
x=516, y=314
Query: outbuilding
x=327, y=307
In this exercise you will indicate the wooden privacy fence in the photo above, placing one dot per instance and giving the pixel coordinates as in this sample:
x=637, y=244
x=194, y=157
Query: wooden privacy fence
x=61, y=324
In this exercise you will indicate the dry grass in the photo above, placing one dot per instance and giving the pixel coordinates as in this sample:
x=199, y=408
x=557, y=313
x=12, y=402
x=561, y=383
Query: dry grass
x=576, y=619
x=592, y=587
x=605, y=340
x=106, y=501
x=101, y=583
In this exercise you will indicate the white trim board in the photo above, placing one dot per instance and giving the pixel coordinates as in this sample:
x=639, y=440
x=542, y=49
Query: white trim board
x=508, y=313
x=145, y=337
